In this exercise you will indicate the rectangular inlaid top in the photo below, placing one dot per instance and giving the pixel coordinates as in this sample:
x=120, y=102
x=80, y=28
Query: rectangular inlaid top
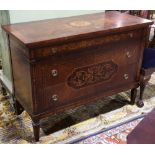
x=48, y=32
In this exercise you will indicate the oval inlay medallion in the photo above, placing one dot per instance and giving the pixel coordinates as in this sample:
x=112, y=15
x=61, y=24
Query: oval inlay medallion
x=85, y=76
x=80, y=23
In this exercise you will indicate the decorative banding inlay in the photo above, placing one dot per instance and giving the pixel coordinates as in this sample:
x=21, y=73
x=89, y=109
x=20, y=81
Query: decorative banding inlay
x=85, y=76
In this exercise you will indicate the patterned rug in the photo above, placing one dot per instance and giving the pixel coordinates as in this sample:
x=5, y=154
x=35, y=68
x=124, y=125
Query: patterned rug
x=74, y=124
x=114, y=135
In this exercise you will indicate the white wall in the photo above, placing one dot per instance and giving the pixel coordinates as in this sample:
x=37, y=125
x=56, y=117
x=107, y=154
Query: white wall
x=17, y=16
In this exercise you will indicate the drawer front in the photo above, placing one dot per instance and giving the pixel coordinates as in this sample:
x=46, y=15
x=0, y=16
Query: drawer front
x=83, y=82
x=90, y=81
x=64, y=79
x=86, y=44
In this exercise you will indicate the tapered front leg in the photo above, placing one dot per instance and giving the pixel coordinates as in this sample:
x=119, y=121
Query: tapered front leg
x=36, y=129
x=133, y=95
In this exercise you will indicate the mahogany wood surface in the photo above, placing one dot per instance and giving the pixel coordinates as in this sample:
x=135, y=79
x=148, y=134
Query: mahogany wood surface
x=45, y=32
x=60, y=64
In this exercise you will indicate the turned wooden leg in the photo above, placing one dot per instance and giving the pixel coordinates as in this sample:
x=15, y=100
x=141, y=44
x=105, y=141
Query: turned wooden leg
x=133, y=95
x=140, y=102
x=36, y=129
x=144, y=78
x=3, y=91
x=18, y=108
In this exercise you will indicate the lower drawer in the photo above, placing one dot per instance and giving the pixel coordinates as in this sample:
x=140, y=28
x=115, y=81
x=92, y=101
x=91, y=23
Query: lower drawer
x=81, y=85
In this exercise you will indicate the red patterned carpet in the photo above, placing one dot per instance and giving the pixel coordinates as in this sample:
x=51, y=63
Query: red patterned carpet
x=114, y=135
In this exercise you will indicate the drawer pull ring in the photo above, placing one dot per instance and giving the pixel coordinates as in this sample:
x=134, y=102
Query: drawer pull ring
x=54, y=50
x=54, y=72
x=131, y=35
x=128, y=54
x=55, y=97
x=126, y=76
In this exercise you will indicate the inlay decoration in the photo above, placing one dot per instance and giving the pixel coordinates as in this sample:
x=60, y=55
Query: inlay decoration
x=80, y=23
x=85, y=76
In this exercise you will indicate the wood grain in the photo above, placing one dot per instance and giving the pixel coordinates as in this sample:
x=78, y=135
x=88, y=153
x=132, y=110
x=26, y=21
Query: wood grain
x=63, y=30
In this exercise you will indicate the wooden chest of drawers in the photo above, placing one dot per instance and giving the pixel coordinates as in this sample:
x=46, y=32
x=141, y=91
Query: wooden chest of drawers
x=63, y=63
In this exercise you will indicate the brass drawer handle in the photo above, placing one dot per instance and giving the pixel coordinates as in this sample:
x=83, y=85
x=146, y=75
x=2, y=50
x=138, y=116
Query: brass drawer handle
x=54, y=72
x=126, y=76
x=54, y=50
x=55, y=97
x=128, y=54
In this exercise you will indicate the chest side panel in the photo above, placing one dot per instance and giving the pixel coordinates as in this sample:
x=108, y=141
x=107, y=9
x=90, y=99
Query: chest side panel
x=21, y=75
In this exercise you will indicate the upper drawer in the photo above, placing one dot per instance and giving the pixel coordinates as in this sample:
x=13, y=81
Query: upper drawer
x=85, y=44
